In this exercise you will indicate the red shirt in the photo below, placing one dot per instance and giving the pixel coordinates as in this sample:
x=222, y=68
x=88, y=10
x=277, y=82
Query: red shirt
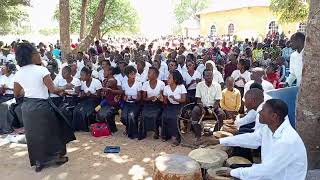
x=273, y=78
x=226, y=50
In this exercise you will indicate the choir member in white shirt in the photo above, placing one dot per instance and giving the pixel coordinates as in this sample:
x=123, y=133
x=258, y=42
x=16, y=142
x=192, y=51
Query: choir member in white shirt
x=83, y=113
x=152, y=91
x=242, y=75
x=162, y=74
x=181, y=60
x=296, y=59
x=174, y=96
x=142, y=71
x=132, y=96
x=47, y=133
x=105, y=65
x=6, y=97
x=191, y=79
x=283, y=153
x=257, y=75
x=121, y=76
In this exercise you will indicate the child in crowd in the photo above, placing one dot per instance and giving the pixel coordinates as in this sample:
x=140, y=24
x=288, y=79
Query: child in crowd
x=231, y=99
x=266, y=60
x=273, y=75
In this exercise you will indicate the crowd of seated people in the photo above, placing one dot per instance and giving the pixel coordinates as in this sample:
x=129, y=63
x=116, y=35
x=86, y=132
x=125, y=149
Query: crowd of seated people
x=148, y=87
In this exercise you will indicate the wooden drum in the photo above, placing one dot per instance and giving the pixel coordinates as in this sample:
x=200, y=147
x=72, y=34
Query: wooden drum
x=237, y=160
x=209, y=158
x=176, y=167
x=211, y=174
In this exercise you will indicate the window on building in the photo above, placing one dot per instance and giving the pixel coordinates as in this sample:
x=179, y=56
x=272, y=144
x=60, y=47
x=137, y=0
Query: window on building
x=302, y=27
x=273, y=27
x=213, y=30
x=231, y=29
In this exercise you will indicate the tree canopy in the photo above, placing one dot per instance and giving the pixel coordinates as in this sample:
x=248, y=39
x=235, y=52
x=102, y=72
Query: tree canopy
x=120, y=16
x=290, y=10
x=13, y=16
x=184, y=9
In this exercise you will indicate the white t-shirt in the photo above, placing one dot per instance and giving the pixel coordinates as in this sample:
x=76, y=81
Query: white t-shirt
x=237, y=74
x=187, y=78
x=153, y=92
x=94, y=86
x=55, y=82
x=101, y=75
x=131, y=92
x=30, y=78
x=266, y=85
x=7, y=82
x=143, y=77
x=180, y=89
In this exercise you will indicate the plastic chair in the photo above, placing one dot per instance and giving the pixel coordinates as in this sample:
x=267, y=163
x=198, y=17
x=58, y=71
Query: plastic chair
x=289, y=96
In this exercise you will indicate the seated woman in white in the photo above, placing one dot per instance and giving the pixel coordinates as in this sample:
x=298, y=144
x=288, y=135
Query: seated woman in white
x=174, y=96
x=6, y=97
x=152, y=107
x=83, y=114
x=132, y=96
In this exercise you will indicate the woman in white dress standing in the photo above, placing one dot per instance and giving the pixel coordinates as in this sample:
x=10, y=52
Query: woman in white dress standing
x=47, y=131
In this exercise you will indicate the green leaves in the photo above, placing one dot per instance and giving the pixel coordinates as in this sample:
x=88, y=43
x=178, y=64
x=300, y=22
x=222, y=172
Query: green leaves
x=120, y=16
x=13, y=16
x=290, y=10
x=184, y=9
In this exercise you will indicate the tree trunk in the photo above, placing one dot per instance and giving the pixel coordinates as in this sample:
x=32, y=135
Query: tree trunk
x=83, y=23
x=64, y=25
x=97, y=20
x=308, y=106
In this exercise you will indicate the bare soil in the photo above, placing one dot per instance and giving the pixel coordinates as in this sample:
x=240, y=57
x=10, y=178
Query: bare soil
x=87, y=160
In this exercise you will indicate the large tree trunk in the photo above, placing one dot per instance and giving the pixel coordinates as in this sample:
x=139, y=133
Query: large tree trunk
x=64, y=24
x=98, y=19
x=308, y=106
x=83, y=23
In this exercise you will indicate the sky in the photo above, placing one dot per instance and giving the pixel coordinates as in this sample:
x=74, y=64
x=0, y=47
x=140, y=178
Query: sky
x=156, y=16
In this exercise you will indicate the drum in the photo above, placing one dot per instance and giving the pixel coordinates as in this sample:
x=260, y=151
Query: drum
x=237, y=160
x=177, y=167
x=212, y=174
x=221, y=134
x=209, y=158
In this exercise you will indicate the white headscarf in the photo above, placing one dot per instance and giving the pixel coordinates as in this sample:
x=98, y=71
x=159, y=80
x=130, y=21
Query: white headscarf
x=212, y=63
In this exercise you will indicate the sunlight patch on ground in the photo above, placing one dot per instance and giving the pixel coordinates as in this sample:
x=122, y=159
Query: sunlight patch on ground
x=20, y=154
x=63, y=175
x=146, y=160
x=116, y=177
x=95, y=177
x=117, y=158
x=96, y=164
x=87, y=148
x=16, y=145
x=47, y=177
x=137, y=172
x=70, y=150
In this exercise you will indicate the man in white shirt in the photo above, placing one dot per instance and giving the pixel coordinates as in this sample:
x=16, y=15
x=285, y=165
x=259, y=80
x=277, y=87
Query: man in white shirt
x=253, y=99
x=283, y=154
x=208, y=95
x=257, y=77
x=296, y=59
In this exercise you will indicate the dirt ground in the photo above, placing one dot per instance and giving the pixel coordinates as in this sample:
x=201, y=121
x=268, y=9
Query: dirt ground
x=87, y=160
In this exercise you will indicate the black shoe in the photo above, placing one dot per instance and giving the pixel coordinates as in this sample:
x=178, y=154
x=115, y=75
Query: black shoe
x=39, y=167
x=62, y=160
